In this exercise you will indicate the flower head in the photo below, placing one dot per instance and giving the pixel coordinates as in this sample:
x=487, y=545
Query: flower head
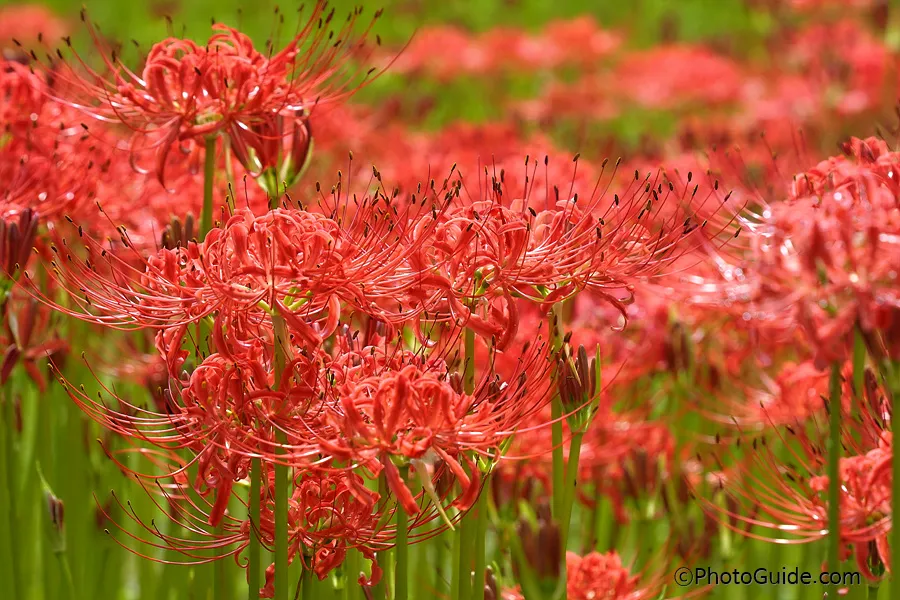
x=187, y=91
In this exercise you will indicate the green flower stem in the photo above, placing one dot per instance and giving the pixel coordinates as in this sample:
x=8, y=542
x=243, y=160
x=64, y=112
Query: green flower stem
x=556, y=414
x=834, y=483
x=380, y=590
x=221, y=585
x=8, y=499
x=270, y=177
x=401, y=558
x=454, y=571
x=351, y=569
x=571, y=480
x=466, y=540
x=859, y=365
x=253, y=567
x=895, y=488
x=69, y=580
x=282, y=475
x=559, y=463
x=469, y=376
x=481, y=521
x=209, y=174
x=467, y=529
x=282, y=482
x=439, y=543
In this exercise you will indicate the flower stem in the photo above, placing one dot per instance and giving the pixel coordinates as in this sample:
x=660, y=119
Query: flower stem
x=439, y=545
x=253, y=579
x=895, y=489
x=401, y=558
x=282, y=474
x=69, y=580
x=221, y=585
x=209, y=173
x=467, y=531
x=281, y=530
x=8, y=493
x=454, y=571
x=466, y=539
x=481, y=520
x=571, y=480
x=380, y=589
x=556, y=437
x=556, y=428
x=351, y=568
x=834, y=483
x=469, y=377
x=859, y=365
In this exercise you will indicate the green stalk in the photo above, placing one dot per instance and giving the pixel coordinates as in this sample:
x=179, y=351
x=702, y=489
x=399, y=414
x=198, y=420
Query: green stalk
x=221, y=586
x=209, y=173
x=272, y=185
x=282, y=475
x=67, y=574
x=895, y=491
x=556, y=429
x=351, y=567
x=454, y=571
x=253, y=578
x=439, y=543
x=859, y=365
x=466, y=536
x=466, y=539
x=282, y=482
x=469, y=376
x=834, y=483
x=559, y=463
x=380, y=590
x=481, y=520
x=571, y=478
x=8, y=493
x=401, y=558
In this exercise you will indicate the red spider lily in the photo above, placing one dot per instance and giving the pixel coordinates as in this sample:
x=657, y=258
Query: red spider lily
x=602, y=575
x=224, y=413
x=361, y=409
x=48, y=163
x=186, y=91
x=671, y=75
x=149, y=206
x=500, y=248
x=328, y=514
x=276, y=150
x=17, y=236
x=401, y=407
x=785, y=499
x=664, y=77
x=26, y=25
x=845, y=61
x=793, y=395
x=21, y=96
x=26, y=339
x=823, y=257
x=578, y=41
x=599, y=575
x=297, y=262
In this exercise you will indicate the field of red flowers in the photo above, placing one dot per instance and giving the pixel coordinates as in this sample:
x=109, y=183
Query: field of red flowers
x=513, y=301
